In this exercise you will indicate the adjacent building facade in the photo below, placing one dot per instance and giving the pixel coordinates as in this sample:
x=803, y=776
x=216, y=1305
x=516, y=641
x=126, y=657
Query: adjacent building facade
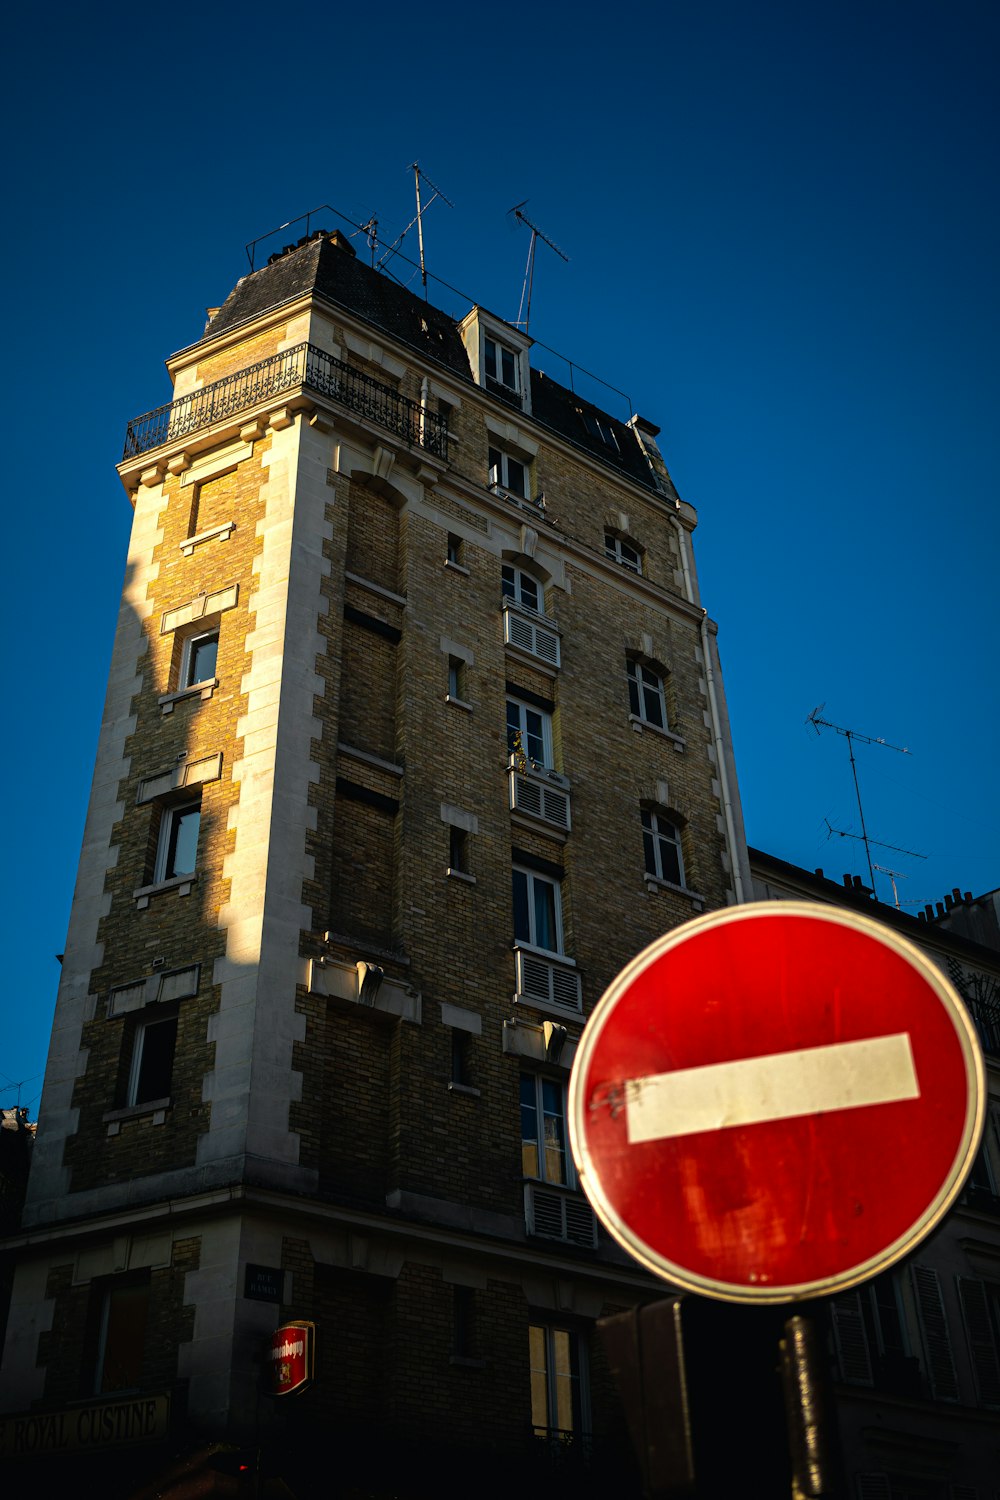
x=917, y=1350
x=415, y=733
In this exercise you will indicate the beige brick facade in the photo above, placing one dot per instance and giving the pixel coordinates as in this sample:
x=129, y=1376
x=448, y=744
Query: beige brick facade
x=350, y=759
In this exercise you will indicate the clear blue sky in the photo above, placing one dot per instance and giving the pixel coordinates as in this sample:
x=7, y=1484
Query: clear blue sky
x=782, y=223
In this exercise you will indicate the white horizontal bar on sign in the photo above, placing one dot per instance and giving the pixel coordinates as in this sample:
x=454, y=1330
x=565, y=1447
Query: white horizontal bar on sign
x=813, y=1081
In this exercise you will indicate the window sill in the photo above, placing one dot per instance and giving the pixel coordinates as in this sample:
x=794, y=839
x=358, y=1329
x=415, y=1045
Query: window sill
x=466, y=1362
x=203, y=690
x=180, y=883
x=376, y=588
x=154, y=1109
x=223, y=533
x=454, y=874
x=640, y=724
x=557, y=958
x=455, y=567
x=654, y=884
x=458, y=703
x=464, y=1088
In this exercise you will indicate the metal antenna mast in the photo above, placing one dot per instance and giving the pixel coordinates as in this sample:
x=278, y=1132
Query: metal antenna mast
x=419, y=218
x=865, y=739
x=895, y=875
x=529, y=270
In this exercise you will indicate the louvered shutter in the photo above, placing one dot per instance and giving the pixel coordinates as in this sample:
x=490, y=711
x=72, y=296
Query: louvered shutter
x=851, y=1339
x=934, y=1332
x=982, y=1340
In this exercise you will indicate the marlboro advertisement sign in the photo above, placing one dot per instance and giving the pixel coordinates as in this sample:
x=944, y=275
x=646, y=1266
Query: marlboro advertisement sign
x=293, y=1355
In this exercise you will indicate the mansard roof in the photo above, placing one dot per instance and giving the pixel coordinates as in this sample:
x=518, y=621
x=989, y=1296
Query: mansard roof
x=328, y=267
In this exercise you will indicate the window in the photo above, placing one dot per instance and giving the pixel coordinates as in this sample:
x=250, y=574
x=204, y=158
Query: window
x=600, y=428
x=121, y=1338
x=458, y=849
x=871, y=1339
x=661, y=842
x=522, y=588
x=177, y=845
x=152, y=1060
x=981, y=1315
x=543, y=1131
x=198, y=659
x=500, y=363
x=537, y=911
x=460, y=1041
x=508, y=473
x=455, y=675
x=454, y=549
x=463, y=1322
x=557, y=1387
x=646, y=697
x=530, y=730
x=622, y=552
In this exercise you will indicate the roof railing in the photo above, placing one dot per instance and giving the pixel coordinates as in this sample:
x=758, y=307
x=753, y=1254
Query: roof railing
x=304, y=365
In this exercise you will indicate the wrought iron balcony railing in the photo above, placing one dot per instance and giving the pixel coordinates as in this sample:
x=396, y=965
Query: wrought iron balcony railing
x=305, y=365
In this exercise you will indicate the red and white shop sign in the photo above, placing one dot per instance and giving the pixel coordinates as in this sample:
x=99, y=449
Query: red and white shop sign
x=293, y=1357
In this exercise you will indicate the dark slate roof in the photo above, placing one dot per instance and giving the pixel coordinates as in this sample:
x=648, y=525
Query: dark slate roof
x=562, y=410
x=335, y=274
x=332, y=272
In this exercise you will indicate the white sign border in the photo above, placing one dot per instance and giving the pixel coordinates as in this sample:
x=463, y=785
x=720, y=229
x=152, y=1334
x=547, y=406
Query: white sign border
x=770, y=1293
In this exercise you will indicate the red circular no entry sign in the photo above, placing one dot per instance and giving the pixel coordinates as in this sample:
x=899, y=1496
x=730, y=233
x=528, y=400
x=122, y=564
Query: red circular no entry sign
x=775, y=1101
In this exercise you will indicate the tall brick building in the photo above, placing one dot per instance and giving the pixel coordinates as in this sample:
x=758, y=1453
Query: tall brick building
x=415, y=733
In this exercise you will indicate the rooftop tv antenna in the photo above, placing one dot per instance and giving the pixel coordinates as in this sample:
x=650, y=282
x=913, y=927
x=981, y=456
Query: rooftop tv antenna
x=865, y=739
x=529, y=270
x=417, y=219
x=895, y=875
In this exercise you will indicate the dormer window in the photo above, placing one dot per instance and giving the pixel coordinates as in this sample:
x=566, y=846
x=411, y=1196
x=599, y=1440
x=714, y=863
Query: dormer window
x=500, y=364
x=600, y=428
x=498, y=358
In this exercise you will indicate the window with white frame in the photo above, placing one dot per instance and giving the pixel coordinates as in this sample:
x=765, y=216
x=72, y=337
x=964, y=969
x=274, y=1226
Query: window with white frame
x=530, y=730
x=500, y=363
x=661, y=840
x=508, y=473
x=151, y=1070
x=537, y=910
x=522, y=588
x=646, y=696
x=177, y=844
x=558, y=1386
x=622, y=552
x=121, y=1337
x=544, y=1156
x=198, y=659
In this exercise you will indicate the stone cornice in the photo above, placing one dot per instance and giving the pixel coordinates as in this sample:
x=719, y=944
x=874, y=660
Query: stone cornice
x=480, y=498
x=287, y=1207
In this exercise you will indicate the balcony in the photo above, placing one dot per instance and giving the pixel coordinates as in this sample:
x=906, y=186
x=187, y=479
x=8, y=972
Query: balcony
x=305, y=366
x=985, y=1012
